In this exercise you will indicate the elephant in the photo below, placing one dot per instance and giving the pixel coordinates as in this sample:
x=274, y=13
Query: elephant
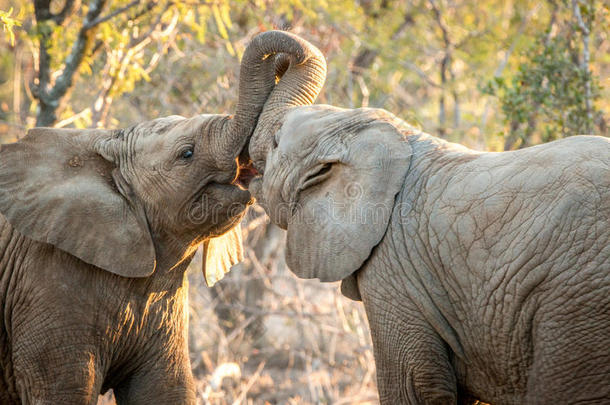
x=97, y=228
x=484, y=275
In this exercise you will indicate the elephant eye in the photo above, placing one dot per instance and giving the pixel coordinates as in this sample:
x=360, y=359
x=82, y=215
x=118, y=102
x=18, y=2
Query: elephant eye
x=320, y=174
x=187, y=153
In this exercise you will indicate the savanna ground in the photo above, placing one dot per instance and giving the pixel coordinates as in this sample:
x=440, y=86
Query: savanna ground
x=491, y=74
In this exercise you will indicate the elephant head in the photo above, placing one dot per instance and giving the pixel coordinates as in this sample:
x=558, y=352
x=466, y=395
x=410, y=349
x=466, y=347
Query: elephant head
x=134, y=200
x=330, y=178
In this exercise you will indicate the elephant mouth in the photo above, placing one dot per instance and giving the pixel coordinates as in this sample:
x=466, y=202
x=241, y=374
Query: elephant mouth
x=245, y=173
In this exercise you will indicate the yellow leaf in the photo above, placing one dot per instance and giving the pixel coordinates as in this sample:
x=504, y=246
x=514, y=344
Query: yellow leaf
x=8, y=23
x=230, y=48
x=222, y=30
x=226, y=18
x=85, y=68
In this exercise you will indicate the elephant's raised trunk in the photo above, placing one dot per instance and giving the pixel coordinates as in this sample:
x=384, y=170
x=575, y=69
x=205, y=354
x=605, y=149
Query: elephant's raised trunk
x=259, y=71
x=302, y=77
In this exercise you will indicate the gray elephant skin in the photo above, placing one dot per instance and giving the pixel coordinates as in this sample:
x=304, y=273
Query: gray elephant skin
x=97, y=228
x=484, y=275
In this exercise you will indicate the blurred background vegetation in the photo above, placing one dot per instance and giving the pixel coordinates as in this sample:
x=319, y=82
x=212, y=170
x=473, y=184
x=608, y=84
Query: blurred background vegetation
x=494, y=75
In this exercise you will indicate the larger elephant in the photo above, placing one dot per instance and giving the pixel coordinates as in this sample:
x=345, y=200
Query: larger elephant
x=97, y=228
x=484, y=275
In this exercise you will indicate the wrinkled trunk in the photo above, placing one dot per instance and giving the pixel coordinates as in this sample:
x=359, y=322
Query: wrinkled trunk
x=260, y=69
x=302, y=77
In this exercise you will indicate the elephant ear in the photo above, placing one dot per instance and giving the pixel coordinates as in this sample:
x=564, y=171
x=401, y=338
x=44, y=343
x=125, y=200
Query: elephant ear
x=56, y=188
x=339, y=221
x=220, y=254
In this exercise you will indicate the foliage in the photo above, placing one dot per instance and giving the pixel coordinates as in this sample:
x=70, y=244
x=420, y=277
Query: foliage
x=553, y=92
x=424, y=60
x=110, y=44
x=546, y=95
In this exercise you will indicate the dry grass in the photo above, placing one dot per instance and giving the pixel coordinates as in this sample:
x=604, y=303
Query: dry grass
x=262, y=336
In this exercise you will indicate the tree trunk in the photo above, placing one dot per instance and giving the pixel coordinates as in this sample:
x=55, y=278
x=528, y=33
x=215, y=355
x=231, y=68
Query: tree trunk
x=50, y=95
x=445, y=66
x=585, y=31
x=457, y=119
x=442, y=113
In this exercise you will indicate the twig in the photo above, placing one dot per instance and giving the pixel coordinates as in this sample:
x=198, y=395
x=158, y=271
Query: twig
x=420, y=73
x=258, y=311
x=73, y=118
x=250, y=383
x=241, y=327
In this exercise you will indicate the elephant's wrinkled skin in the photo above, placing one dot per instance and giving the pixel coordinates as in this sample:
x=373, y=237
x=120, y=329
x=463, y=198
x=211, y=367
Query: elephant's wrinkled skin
x=96, y=230
x=483, y=275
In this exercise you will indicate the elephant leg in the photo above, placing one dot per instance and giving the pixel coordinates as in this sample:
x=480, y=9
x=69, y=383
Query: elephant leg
x=413, y=365
x=571, y=357
x=159, y=381
x=8, y=394
x=59, y=376
x=6, y=397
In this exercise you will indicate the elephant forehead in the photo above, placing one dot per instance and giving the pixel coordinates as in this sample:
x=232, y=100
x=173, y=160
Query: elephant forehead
x=155, y=137
x=306, y=127
x=301, y=129
x=158, y=126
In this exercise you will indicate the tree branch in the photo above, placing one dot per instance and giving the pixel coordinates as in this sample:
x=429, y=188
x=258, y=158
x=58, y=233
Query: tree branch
x=42, y=10
x=67, y=9
x=581, y=24
x=43, y=14
x=441, y=24
x=64, y=81
x=116, y=12
x=104, y=98
x=445, y=66
x=136, y=41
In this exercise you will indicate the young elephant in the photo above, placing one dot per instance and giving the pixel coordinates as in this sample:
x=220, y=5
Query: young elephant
x=96, y=232
x=484, y=275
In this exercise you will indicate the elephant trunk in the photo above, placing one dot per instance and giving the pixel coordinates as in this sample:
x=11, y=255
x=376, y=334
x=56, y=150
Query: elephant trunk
x=302, y=77
x=258, y=74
